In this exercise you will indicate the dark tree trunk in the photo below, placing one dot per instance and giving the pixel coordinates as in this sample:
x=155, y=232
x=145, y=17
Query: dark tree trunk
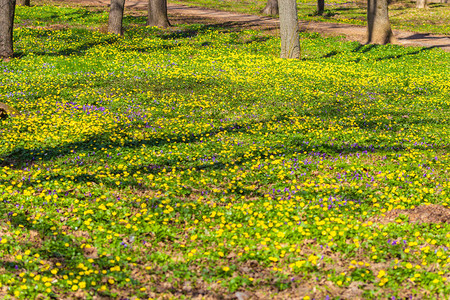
x=271, y=8
x=7, y=8
x=320, y=7
x=157, y=13
x=290, y=43
x=23, y=2
x=378, y=26
x=116, y=16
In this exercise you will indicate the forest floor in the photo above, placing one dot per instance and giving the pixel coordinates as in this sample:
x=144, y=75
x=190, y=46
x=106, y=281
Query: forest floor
x=351, y=32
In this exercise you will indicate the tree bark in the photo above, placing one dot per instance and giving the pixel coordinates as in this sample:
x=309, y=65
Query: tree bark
x=290, y=43
x=421, y=3
x=378, y=26
x=23, y=2
x=271, y=8
x=116, y=16
x=320, y=7
x=157, y=13
x=7, y=8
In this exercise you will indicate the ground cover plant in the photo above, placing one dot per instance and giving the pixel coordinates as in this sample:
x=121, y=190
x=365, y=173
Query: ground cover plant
x=193, y=162
x=402, y=14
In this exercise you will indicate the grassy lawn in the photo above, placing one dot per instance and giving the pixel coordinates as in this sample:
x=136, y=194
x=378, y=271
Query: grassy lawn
x=403, y=14
x=193, y=161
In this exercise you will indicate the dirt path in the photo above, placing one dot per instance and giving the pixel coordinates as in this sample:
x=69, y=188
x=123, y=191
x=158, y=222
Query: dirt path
x=351, y=32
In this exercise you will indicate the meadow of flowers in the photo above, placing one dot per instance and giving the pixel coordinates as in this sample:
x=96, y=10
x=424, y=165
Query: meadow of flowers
x=194, y=162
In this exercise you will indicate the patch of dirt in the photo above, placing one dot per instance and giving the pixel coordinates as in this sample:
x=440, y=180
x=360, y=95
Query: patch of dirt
x=35, y=239
x=90, y=252
x=79, y=233
x=432, y=213
x=52, y=27
x=6, y=110
x=356, y=289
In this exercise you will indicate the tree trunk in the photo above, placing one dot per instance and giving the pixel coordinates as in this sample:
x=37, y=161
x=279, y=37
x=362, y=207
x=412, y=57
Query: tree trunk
x=271, y=8
x=7, y=8
x=157, y=13
x=320, y=6
x=421, y=3
x=116, y=16
x=23, y=2
x=290, y=43
x=378, y=26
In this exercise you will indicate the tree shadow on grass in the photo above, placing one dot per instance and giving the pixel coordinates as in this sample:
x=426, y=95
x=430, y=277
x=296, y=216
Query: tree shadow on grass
x=78, y=50
x=181, y=33
x=369, y=47
x=405, y=54
x=365, y=48
x=295, y=145
x=223, y=27
x=19, y=157
x=45, y=243
x=90, y=42
x=361, y=48
x=64, y=252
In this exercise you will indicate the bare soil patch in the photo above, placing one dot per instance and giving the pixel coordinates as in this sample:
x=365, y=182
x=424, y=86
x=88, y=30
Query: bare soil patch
x=432, y=213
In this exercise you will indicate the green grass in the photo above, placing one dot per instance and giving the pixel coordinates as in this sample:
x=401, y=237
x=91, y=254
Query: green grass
x=172, y=163
x=403, y=14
